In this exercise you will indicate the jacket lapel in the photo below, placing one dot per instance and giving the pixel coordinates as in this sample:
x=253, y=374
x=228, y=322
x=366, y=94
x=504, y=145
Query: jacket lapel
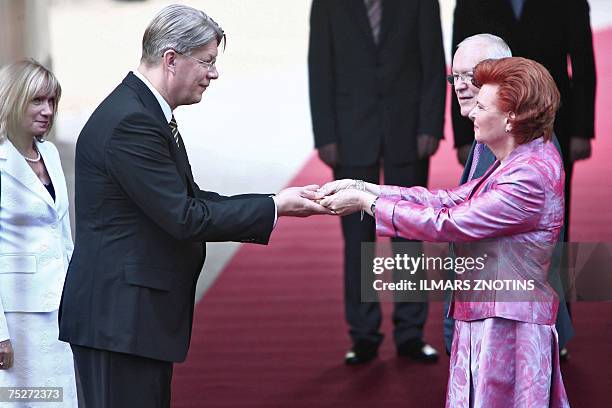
x=152, y=105
x=503, y=11
x=525, y=11
x=483, y=180
x=530, y=14
x=485, y=161
x=148, y=100
x=518, y=152
x=56, y=174
x=15, y=165
x=468, y=166
x=390, y=11
x=182, y=162
x=359, y=15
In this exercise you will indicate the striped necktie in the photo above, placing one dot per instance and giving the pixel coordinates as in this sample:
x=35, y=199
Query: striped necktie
x=174, y=128
x=475, y=158
x=374, y=9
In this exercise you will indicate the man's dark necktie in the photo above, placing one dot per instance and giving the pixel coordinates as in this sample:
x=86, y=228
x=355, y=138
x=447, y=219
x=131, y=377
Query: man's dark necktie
x=517, y=7
x=374, y=9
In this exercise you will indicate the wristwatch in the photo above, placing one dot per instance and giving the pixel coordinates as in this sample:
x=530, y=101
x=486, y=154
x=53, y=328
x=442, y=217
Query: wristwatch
x=373, y=207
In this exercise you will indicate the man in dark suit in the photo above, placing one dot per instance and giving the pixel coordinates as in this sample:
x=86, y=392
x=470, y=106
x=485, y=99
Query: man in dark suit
x=377, y=99
x=549, y=32
x=142, y=221
x=469, y=53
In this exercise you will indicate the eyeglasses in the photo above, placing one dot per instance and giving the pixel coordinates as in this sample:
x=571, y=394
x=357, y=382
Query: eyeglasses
x=206, y=64
x=467, y=78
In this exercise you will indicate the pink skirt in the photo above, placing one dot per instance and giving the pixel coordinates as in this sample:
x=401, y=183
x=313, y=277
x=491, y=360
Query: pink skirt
x=499, y=363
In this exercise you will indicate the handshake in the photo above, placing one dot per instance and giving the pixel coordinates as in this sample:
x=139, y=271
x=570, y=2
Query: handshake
x=340, y=197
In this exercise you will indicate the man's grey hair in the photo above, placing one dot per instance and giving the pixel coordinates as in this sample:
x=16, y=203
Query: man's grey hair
x=496, y=48
x=180, y=28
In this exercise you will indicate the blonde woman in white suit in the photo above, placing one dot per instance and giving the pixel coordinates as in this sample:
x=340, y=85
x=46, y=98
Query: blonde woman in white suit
x=35, y=240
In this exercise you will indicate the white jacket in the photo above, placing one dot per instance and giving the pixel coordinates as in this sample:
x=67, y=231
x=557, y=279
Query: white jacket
x=35, y=240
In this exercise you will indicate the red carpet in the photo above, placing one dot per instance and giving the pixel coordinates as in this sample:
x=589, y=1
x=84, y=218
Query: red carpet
x=271, y=331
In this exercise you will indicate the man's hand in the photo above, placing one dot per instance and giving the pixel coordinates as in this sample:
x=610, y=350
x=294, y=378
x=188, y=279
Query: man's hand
x=463, y=153
x=349, y=201
x=427, y=145
x=6, y=355
x=329, y=154
x=580, y=149
x=298, y=202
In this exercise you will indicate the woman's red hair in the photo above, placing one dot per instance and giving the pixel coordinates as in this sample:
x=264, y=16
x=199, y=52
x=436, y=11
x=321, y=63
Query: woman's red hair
x=527, y=90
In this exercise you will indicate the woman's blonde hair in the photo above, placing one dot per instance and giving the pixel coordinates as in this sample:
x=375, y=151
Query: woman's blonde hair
x=20, y=83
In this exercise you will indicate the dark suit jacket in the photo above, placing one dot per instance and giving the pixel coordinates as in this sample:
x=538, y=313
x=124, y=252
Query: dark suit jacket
x=141, y=223
x=373, y=100
x=548, y=32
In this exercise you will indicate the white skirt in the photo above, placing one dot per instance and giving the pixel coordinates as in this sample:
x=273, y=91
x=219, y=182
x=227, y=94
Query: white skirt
x=41, y=360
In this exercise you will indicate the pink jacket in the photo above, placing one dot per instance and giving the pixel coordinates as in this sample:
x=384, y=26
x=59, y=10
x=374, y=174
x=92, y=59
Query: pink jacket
x=514, y=214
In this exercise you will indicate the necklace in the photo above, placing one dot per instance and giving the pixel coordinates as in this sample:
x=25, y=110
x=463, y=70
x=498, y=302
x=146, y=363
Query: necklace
x=37, y=159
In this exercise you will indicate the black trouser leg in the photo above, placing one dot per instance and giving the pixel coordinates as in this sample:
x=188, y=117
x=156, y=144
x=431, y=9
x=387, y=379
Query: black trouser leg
x=363, y=318
x=408, y=317
x=118, y=380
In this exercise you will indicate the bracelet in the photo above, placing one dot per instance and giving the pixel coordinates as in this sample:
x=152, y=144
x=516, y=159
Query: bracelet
x=360, y=185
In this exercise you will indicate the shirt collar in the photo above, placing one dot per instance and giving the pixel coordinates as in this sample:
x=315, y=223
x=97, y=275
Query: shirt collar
x=160, y=99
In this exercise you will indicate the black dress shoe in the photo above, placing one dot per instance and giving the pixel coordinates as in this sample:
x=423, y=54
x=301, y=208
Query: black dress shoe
x=361, y=353
x=418, y=350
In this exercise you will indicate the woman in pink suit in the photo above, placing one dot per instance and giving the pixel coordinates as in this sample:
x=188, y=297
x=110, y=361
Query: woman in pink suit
x=505, y=351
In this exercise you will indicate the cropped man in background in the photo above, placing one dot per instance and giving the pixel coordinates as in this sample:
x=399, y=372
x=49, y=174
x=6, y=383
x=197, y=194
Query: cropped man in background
x=377, y=99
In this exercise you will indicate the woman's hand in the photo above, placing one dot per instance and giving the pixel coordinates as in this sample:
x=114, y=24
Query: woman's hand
x=348, y=201
x=6, y=355
x=335, y=186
